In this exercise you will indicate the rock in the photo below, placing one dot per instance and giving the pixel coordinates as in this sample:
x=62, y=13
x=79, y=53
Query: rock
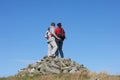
x=65, y=71
x=95, y=78
x=74, y=69
x=53, y=66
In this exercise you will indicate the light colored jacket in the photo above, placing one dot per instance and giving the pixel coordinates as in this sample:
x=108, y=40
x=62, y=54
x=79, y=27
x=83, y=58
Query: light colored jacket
x=52, y=30
x=49, y=34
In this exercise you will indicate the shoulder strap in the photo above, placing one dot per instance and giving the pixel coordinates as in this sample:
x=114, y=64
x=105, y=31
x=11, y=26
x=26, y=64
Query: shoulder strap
x=61, y=31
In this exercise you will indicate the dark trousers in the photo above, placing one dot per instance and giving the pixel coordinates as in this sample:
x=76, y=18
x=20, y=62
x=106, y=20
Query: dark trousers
x=59, y=50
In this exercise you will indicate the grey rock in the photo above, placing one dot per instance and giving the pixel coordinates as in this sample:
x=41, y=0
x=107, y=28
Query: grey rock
x=74, y=69
x=93, y=78
x=65, y=71
x=67, y=68
x=53, y=66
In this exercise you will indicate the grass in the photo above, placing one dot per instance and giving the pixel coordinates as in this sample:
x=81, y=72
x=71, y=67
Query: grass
x=67, y=76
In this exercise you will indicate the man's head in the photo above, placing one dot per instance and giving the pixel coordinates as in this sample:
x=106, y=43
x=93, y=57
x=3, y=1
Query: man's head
x=52, y=24
x=59, y=24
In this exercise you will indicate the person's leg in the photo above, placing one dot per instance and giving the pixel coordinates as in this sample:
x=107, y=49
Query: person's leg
x=60, y=49
x=56, y=53
x=54, y=49
x=49, y=50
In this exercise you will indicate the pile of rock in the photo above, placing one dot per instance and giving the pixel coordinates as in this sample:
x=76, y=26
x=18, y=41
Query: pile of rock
x=52, y=65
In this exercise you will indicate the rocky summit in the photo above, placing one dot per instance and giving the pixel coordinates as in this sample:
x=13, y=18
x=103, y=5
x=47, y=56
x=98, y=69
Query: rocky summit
x=49, y=65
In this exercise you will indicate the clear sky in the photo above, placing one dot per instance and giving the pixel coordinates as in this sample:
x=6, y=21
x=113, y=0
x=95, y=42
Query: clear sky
x=92, y=30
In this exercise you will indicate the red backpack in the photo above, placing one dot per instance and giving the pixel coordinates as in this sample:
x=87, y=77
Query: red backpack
x=60, y=33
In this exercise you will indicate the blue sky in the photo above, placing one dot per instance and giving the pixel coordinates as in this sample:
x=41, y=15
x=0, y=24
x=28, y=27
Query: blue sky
x=92, y=30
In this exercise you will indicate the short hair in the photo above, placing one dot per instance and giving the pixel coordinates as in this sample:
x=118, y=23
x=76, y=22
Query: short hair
x=52, y=24
x=59, y=24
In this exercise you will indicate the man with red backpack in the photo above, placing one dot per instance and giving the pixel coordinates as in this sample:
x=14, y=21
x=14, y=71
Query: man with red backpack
x=59, y=31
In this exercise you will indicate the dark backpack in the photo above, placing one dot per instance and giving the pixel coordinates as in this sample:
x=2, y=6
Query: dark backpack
x=61, y=34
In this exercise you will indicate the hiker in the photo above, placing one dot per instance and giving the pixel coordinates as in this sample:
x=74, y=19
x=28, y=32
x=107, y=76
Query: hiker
x=59, y=31
x=50, y=35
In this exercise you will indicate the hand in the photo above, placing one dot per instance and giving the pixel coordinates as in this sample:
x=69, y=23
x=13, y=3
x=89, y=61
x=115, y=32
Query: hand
x=59, y=38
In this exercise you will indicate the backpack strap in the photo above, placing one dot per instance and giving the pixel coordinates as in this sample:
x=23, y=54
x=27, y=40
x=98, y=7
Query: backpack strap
x=62, y=34
x=61, y=31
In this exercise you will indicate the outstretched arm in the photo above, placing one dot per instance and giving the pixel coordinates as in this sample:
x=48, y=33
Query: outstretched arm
x=56, y=36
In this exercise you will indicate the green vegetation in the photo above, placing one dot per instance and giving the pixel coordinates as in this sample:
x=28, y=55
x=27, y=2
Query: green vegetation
x=67, y=76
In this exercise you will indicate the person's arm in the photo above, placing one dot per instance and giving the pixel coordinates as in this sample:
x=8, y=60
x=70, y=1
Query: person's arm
x=46, y=35
x=55, y=34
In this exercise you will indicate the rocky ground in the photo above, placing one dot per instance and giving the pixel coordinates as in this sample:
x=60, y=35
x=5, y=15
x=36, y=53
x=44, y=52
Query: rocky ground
x=53, y=66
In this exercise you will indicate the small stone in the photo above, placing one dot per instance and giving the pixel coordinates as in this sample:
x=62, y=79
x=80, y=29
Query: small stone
x=74, y=69
x=65, y=71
